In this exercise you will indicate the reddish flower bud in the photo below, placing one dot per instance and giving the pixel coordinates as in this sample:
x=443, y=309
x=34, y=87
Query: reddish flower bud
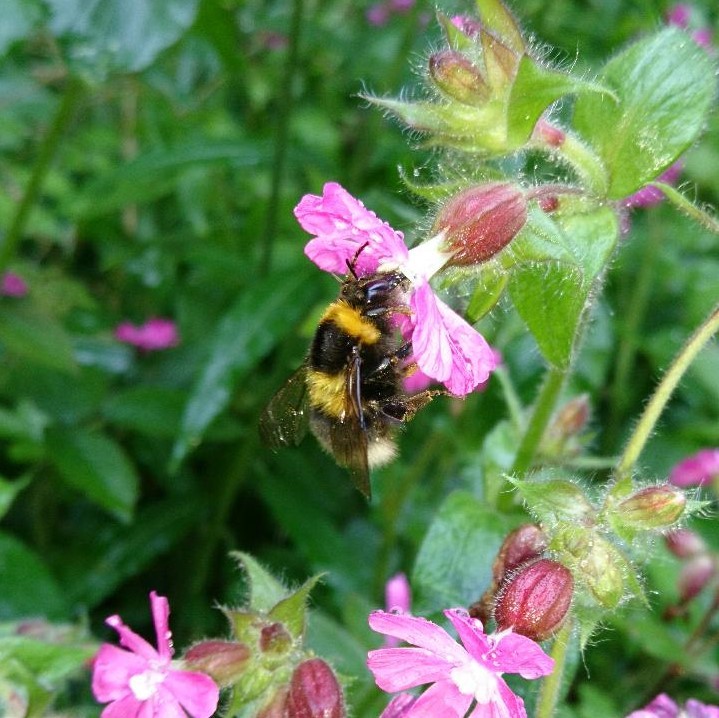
x=481, y=220
x=548, y=204
x=535, y=601
x=694, y=576
x=524, y=544
x=653, y=507
x=222, y=660
x=457, y=77
x=549, y=134
x=684, y=543
x=314, y=692
x=274, y=638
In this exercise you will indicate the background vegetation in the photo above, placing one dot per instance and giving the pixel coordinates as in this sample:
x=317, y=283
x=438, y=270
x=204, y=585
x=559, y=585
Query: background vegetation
x=150, y=158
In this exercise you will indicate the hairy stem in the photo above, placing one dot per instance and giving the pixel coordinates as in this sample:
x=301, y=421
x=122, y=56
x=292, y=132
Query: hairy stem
x=45, y=154
x=664, y=391
x=551, y=685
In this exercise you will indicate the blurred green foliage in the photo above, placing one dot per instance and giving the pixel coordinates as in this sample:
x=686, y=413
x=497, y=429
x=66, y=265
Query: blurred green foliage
x=151, y=155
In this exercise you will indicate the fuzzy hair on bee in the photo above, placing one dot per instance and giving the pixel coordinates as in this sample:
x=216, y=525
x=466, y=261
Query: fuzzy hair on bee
x=350, y=389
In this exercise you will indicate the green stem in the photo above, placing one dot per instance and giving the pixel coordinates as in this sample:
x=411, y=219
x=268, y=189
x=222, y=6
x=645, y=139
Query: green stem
x=664, y=391
x=285, y=106
x=703, y=218
x=551, y=685
x=45, y=154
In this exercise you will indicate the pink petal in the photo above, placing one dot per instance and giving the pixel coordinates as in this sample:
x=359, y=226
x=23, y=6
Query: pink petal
x=505, y=705
x=127, y=707
x=695, y=709
x=446, y=347
x=662, y=706
x=519, y=654
x=470, y=633
x=341, y=225
x=161, y=704
x=197, y=693
x=419, y=632
x=161, y=618
x=697, y=469
x=399, y=706
x=130, y=639
x=442, y=699
x=397, y=669
x=111, y=672
x=397, y=593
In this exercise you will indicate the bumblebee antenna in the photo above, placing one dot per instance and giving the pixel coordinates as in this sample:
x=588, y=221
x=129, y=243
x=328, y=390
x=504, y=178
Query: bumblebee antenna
x=351, y=263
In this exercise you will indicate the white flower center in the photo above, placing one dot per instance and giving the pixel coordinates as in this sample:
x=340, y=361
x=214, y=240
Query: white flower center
x=473, y=679
x=143, y=685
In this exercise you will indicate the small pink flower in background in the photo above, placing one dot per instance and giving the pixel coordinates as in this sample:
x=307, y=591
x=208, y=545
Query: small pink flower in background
x=155, y=334
x=378, y=14
x=141, y=682
x=696, y=470
x=460, y=674
x=445, y=347
x=13, y=285
x=664, y=707
x=468, y=25
x=401, y=6
x=680, y=15
x=650, y=195
x=397, y=599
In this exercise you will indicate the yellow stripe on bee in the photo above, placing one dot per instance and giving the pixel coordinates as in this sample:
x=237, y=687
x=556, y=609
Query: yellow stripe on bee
x=350, y=320
x=327, y=392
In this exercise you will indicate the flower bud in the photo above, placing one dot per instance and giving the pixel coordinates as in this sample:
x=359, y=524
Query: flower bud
x=694, y=576
x=456, y=76
x=224, y=661
x=525, y=543
x=653, y=507
x=481, y=220
x=535, y=600
x=549, y=134
x=684, y=543
x=274, y=638
x=314, y=692
x=602, y=572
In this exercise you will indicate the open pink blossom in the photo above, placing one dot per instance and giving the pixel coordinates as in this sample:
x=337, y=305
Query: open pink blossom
x=13, y=285
x=445, y=347
x=155, y=334
x=664, y=707
x=460, y=674
x=696, y=470
x=141, y=682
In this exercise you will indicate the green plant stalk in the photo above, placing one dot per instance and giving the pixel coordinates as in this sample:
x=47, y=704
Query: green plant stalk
x=285, y=108
x=551, y=685
x=664, y=391
x=45, y=154
x=700, y=216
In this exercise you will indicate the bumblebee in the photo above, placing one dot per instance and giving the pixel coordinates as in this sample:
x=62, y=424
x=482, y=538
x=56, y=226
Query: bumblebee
x=349, y=390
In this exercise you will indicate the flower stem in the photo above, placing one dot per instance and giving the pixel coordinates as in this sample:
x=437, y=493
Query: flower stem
x=551, y=685
x=664, y=391
x=285, y=103
x=684, y=205
x=45, y=153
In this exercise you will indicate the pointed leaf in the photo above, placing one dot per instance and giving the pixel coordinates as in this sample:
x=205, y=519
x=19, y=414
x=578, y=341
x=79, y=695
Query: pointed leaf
x=292, y=611
x=664, y=85
x=265, y=590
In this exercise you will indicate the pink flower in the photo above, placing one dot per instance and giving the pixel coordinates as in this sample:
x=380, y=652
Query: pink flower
x=446, y=348
x=696, y=470
x=153, y=335
x=649, y=195
x=378, y=14
x=397, y=593
x=141, y=682
x=679, y=14
x=399, y=706
x=13, y=285
x=459, y=674
x=664, y=707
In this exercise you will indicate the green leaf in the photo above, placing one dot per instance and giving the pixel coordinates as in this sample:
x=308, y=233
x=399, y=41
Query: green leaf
x=97, y=466
x=106, y=36
x=156, y=173
x=664, y=85
x=9, y=490
x=453, y=566
x=151, y=410
x=245, y=333
x=535, y=88
x=265, y=590
x=28, y=588
x=490, y=285
x=35, y=337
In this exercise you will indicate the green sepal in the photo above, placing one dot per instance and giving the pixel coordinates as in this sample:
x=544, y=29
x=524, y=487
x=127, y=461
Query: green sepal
x=495, y=16
x=265, y=591
x=292, y=610
x=554, y=500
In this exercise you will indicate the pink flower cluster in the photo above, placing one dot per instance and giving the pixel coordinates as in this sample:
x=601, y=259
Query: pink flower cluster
x=141, y=682
x=664, y=707
x=446, y=348
x=155, y=334
x=459, y=674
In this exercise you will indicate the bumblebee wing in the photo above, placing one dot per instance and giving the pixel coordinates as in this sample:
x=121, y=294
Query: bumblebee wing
x=284, y=420
x=349, y=436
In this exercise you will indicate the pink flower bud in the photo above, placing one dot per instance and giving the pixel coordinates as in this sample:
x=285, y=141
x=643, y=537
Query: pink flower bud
x=469, y=26
x=13, y=285
x=225, y=661
x=697, y=469
x=457, y=77
x=481, y=220
x=549, y=134
x=653, y=507
x=523, y=544
x=314, y=692
x=684, y=543
x=535, y=601
x=694, y=576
